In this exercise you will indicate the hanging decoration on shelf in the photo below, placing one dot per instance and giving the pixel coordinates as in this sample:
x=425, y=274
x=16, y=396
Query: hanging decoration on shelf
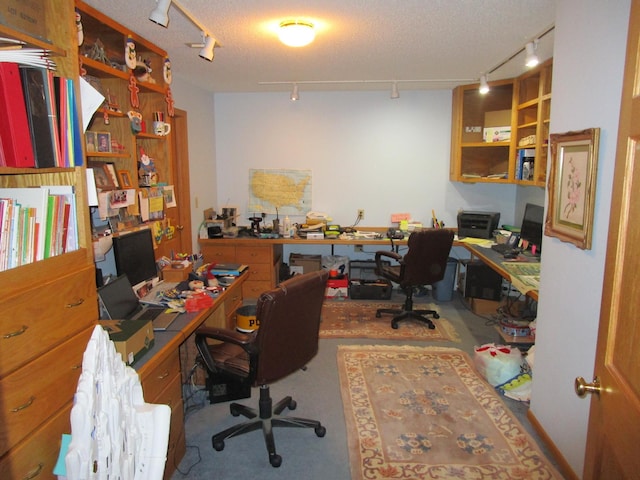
x=130, y=53
x=133, y=89
x=166, y=71
x=169, y=99
x=147, y=174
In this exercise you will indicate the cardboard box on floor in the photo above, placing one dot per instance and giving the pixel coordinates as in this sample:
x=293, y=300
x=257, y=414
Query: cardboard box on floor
x=303, y=263
x=132, y=338
x=480, y=306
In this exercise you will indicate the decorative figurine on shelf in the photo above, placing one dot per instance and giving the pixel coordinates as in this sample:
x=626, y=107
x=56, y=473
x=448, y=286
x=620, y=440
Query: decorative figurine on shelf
x=130, y=53
x=147, y=174
x=166, y=71
x=136, y=121
x=79, y=30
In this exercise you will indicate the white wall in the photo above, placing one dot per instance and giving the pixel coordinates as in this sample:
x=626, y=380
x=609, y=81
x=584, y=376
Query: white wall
x=589, y=51
x=364, y=150
x=199, y=105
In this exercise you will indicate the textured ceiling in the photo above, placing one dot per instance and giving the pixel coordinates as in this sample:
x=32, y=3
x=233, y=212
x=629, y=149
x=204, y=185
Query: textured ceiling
x=358, y=42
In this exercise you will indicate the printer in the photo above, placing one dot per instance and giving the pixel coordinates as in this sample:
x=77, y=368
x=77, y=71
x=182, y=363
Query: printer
x=477, y=224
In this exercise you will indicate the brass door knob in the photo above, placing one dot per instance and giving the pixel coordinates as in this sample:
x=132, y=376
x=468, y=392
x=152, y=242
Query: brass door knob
x=582, y=387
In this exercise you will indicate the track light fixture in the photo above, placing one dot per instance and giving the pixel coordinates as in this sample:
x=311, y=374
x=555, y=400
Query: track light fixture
x=160, y=14
x=531, y=59
x=484, y=86
x=394, y=91
x=295, y=96
x=207, y=51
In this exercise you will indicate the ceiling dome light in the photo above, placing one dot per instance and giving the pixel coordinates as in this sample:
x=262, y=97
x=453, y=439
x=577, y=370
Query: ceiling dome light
x=296, y=33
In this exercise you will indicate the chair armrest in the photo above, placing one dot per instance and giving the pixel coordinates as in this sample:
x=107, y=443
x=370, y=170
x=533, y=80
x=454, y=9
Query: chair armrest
x=387, y=254
x=225, y=335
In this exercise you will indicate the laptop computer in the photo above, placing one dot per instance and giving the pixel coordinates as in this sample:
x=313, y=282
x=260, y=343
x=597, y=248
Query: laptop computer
x=121, y=303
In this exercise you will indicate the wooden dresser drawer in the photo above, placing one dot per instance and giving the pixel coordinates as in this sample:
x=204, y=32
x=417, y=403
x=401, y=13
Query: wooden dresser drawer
x=30, y=394
x=259, y=272
x=252, y=290
x=37, y=455
x=158, y=378
x=251, y=255
x=218, y=253
x=38, y=319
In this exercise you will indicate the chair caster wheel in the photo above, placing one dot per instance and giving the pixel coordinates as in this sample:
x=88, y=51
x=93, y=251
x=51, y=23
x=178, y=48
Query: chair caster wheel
x=435, y=315
x=431, y=326
x=378, y=314
x=320, y=431
x=218, y=446
x=275, y=460
x=394, y=325
x=293, y=405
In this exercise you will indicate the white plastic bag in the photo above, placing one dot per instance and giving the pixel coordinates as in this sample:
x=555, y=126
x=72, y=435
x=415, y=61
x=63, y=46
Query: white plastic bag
x=497, y=363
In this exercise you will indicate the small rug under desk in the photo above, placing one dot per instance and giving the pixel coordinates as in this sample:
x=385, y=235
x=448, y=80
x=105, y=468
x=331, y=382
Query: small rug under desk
x=424, y=412
x=357, y=319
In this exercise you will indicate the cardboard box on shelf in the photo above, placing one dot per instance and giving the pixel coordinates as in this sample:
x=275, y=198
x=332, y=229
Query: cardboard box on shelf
x=132, y=338
x=177, y=271
x=497, y=126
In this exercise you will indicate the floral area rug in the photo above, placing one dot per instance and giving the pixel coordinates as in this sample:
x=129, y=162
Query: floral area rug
x=423, y=412
x=358, y=320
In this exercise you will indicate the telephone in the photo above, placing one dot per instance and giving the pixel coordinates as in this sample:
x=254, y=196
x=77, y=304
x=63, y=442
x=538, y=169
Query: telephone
x=395, y=234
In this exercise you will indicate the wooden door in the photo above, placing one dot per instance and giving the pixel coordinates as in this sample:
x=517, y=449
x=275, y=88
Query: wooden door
x=613, y=440
x=179, y=217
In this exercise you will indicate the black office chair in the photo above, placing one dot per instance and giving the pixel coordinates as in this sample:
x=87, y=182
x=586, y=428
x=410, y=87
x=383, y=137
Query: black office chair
x=289, y=319
x=424, y=264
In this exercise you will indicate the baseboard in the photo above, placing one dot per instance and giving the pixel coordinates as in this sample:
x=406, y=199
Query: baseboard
x=564, y=466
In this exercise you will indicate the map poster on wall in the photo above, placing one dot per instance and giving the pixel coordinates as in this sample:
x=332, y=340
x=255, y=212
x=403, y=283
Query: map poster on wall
x=285, y=192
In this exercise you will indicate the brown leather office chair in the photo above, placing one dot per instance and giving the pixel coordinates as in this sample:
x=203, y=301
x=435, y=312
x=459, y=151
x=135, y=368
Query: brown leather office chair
x=289, y=319
x=424, y=264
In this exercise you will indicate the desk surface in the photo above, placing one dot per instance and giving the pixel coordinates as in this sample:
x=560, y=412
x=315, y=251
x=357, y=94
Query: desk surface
x=181, y=328
x=498, y=263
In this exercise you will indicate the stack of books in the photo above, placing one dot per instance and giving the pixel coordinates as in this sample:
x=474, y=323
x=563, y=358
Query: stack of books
x=227, y=269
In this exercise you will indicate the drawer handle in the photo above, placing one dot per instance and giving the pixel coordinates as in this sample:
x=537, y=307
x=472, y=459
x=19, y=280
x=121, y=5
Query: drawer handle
x=75, y=304
x=26, y=405
x=15, y=334
x=36, y=471
x=164, y=375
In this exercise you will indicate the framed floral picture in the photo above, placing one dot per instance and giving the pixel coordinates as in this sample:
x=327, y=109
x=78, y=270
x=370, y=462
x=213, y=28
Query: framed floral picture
x=572, y=186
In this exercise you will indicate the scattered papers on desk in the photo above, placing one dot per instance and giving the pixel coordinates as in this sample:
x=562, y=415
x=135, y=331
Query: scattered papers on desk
x=525, y=276
x=481, y=242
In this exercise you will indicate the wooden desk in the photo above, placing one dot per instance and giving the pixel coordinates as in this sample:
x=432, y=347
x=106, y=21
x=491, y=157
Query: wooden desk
x=165, y=368
x=496, y=261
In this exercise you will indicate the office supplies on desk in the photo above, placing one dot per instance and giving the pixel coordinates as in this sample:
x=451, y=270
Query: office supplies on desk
x=120, y=303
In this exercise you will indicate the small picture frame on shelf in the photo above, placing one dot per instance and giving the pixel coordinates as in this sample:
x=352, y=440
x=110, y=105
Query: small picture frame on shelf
x=102, y=178
x=91, y=141
x=110, y=168
x=104, y=142
x=125, y=179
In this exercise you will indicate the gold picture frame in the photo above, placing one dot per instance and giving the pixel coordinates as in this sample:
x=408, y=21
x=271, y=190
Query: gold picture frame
x=125, y=179
x=572, y=186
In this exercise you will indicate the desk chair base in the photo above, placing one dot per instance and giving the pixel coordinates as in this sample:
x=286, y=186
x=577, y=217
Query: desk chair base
x=269, y=417
x=400, y=315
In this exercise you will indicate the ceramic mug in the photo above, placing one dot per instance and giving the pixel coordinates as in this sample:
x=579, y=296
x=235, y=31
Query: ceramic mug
x=161, y=128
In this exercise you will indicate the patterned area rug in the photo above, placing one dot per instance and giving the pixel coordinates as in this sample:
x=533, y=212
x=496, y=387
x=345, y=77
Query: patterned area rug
x=423, y=412
x=358, y=320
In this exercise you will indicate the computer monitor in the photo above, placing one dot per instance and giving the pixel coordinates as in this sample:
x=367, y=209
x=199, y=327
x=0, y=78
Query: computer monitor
x=532, y=226
x=134, y=256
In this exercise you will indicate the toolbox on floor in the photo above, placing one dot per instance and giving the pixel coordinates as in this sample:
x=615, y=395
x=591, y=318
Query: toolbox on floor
x=365, y=284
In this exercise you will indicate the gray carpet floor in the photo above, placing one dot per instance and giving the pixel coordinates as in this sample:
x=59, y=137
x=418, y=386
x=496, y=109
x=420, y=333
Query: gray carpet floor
x=317, y=393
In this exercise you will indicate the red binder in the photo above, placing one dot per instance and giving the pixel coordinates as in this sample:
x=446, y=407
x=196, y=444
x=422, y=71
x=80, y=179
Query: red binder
x=14, y=126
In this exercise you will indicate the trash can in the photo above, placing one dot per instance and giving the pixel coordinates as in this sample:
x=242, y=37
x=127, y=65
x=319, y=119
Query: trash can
x=443, y=290
x=246, y=319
